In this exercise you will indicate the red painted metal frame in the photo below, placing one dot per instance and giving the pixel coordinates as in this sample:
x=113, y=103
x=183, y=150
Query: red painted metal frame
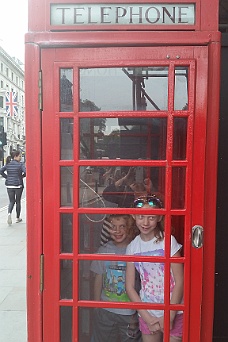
x=35, y=198
x=135, y=38
x=34, y=195
x=46, y=185
x=52, y=206
x=211, y=190
x=38, y=38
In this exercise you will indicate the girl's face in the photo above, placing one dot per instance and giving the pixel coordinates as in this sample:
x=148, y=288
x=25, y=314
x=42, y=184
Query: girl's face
x=147, y=224
x=118, y=232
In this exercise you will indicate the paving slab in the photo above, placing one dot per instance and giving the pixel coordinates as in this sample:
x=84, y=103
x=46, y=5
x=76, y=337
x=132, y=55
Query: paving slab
x=13, y=320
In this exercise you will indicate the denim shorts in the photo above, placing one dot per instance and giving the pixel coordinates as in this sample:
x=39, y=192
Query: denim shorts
x=176, y=331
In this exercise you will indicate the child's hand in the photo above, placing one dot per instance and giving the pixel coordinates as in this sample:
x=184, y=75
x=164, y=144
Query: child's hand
x=153, y=324
x=161, y=323
x=154, y=328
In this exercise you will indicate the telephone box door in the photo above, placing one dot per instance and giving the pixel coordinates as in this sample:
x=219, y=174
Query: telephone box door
x=107, y=111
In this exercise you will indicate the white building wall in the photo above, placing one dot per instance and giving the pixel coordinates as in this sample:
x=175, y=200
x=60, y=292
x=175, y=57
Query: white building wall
x=12, y=79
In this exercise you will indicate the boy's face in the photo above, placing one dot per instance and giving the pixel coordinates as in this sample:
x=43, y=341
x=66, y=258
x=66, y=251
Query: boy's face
x=118, y=231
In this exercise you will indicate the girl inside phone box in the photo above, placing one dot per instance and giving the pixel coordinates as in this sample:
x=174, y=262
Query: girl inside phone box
x=150, y=242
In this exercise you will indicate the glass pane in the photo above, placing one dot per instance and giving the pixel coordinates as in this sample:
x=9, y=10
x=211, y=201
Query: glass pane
x=95, y=232
x=90, y=233
x=181, y=88
x=66, y=279
x=85, y=324
x=107, y=186
x=178, y=187
x=113, y=278
x=177, y=317
x=66, y=90
x=66, y=323
x=124, y=138
x=66, y=233
x=178, y=230
x=128, y=88
x=66, y=139
x=113, y=274
x=91, y=327
x=179, y=138
x=178, y=268
x=66, y=185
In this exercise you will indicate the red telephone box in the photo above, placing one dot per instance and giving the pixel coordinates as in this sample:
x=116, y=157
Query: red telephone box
x=113, y=86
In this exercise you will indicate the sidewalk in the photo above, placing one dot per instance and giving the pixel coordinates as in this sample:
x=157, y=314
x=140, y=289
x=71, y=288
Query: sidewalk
x=13, y=278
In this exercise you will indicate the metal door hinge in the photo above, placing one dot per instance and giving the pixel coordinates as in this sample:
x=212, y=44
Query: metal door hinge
x=197, y=236
x=40, y=94
x=41, y=272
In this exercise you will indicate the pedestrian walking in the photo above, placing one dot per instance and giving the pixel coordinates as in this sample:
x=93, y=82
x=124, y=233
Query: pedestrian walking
x=14, y=172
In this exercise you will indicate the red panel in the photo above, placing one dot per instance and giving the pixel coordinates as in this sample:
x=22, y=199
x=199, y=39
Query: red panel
x=50, y=147
x=209, y=15
x=204, y=161
x=206, y=16
x=33, y=194
x=101, y=57
x=210, y=191
x=37, y=15
x=135, y=38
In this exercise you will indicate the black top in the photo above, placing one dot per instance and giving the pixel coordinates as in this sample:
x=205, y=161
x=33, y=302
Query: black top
x=13, y=172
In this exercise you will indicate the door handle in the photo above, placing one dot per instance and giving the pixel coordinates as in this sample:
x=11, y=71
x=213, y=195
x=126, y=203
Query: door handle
x=197, y=236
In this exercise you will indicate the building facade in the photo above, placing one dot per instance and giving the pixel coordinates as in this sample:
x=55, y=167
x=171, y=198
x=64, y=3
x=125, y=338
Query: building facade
x=12, y=105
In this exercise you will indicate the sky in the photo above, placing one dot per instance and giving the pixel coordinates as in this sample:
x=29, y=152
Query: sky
x=13, y=26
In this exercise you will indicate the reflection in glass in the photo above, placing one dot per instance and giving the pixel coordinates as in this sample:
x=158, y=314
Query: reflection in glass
x=124, y=138
x=179, y=138
x=66, y=233
x=179, y=267
x=98, y=189
x=66, y=185
x=128, y=88
x=90, y=226
x=178, y=187
x=66, y=139
x=66, y=279
x=181, y=88
x=178, y=230
x=85, y=324
x=65, y=324
x=178, y=321
x=66, y=90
